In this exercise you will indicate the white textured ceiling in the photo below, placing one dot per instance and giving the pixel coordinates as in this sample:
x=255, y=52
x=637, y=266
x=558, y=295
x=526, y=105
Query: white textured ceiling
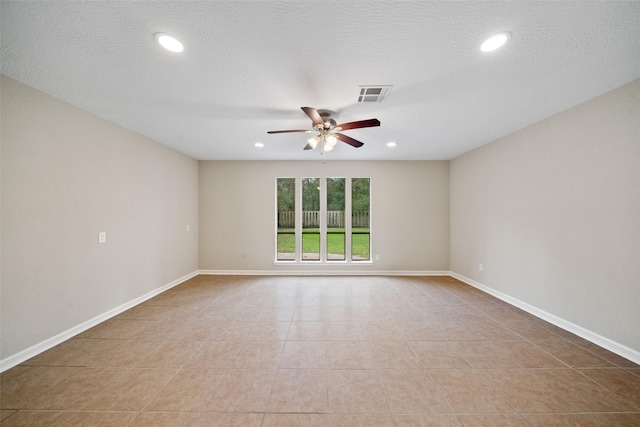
x=248, y=67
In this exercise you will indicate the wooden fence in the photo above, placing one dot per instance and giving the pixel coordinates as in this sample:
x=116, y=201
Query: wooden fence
x=286, y=219
x=311, y=219
x=360, y=219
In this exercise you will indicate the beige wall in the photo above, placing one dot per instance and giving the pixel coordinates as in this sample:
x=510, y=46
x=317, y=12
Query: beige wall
x=66, y=176
x=410, y=213
x=553, y=213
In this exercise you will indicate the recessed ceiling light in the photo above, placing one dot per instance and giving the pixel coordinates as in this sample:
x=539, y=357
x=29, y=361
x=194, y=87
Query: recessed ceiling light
x=259, y=144
x=168, y=42
x=391, y=144
x=495, y=42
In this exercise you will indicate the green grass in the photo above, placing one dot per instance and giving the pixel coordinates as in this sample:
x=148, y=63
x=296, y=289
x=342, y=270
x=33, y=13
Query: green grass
x=335, y=242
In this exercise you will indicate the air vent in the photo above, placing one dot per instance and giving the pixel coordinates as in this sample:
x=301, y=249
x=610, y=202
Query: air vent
x=374, y=93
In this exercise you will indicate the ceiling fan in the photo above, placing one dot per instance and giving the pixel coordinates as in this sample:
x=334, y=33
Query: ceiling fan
x=327, y=131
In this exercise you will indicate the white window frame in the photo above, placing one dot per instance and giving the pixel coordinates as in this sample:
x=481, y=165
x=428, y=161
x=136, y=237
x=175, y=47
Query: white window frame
x=323, y=224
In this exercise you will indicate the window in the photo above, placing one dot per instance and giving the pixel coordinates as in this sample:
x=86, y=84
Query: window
x=360, y=225
x=323, y=220
x=311, y=219
x=286, y=207
x=336, y=242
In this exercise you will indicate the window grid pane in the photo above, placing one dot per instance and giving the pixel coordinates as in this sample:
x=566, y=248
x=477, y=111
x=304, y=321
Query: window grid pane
x=311, y=245
x=335, y=214
x=336, y=246
x=286, y=248
x=311, y=219
x=360, y=219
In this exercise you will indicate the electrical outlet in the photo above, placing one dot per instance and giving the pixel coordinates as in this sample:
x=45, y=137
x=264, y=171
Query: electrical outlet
x=376, y=257
x=481, y=267
x=188, y=228
x=102, y=237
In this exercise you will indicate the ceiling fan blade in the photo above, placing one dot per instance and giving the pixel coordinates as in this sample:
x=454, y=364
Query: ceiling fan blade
x=353, y=142
x=289, y=131
x=313, y=115
x=308, y=147
x=359, y=124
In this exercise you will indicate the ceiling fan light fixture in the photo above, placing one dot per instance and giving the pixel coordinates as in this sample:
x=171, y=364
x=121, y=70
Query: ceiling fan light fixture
x=391, y=144
x=169, y=42
x=331, y=140
x=313, y=142
x=495, y=42
x=259, y=144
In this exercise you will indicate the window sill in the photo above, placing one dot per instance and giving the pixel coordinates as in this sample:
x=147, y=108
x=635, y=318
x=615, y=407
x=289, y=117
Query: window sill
x=323, y=263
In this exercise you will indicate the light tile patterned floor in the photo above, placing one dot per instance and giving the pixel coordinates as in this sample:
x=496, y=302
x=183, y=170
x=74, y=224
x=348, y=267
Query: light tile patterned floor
x=323, y=351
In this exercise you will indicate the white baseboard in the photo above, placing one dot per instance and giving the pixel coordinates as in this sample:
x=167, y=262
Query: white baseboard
x=322, y=272
x=604, y=342
x=45, y=345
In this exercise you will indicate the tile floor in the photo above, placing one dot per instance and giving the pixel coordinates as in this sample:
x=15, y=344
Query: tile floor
x=323, y=351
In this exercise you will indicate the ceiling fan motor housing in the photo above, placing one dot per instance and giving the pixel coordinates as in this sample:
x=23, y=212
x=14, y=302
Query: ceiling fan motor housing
x=329, y=122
